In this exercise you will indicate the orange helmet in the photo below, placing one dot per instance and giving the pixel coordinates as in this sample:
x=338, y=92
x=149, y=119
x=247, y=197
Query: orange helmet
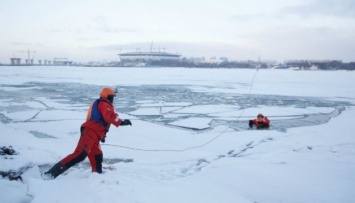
x=106, y=92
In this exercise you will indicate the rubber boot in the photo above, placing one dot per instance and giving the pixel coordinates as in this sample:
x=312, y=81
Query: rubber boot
x=55, y=171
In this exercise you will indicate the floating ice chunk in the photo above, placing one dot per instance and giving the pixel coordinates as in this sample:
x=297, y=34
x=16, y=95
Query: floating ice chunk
x=208, y=109
x=146, y=112
x=194, y=123
x=60, y=115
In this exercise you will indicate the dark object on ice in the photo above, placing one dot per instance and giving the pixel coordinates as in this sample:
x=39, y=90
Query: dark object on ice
x=11, y=175
x=260, y=122
x=15, y=174
x=7, y=151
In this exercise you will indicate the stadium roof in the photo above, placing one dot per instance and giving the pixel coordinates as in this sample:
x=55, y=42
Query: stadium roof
x=161, y=54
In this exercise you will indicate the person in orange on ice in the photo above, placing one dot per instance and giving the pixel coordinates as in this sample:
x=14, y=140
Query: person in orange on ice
x=100, y=116
x=260, y=122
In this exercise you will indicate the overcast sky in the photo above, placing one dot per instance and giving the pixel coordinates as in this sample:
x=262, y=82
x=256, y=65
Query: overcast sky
x=97, y=30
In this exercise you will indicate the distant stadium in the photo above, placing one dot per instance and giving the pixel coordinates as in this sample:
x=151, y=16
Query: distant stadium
x=147, y=57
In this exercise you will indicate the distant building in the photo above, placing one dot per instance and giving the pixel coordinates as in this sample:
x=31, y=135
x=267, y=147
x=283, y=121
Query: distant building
x=223, y=60
x=46, y=62
x=197, y=60
x=62, y=62
x=15, y=61
x=29, y=61
x=212, y=60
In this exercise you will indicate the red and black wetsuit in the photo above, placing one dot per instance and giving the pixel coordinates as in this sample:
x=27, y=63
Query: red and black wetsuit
x=101, y=115
x=260, y=123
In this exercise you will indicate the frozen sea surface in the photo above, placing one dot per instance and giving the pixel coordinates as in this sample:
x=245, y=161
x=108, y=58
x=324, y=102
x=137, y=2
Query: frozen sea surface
x=190, y=140
x=175, y=105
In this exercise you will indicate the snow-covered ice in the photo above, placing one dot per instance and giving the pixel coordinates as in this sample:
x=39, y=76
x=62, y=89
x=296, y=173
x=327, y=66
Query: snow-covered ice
x=190, y=140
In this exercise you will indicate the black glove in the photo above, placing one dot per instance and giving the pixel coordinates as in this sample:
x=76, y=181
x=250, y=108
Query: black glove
x=126, y=122
x=103, y=139
x=250, y=123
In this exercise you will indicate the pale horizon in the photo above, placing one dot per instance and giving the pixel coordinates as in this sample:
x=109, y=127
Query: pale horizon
x=92, y=30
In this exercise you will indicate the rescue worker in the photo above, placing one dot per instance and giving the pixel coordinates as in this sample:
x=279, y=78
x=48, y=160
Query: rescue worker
x=100, y=116
x=260, y=122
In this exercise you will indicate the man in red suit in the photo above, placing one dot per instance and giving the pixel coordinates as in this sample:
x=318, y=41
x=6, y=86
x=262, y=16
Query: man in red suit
x=100, y=116
x=260, y=122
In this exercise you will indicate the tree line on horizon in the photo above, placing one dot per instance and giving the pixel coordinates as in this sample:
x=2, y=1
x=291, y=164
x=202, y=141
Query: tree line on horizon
x=320, y=65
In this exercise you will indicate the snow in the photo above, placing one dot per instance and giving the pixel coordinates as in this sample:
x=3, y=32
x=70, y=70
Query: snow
x=189, y=141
